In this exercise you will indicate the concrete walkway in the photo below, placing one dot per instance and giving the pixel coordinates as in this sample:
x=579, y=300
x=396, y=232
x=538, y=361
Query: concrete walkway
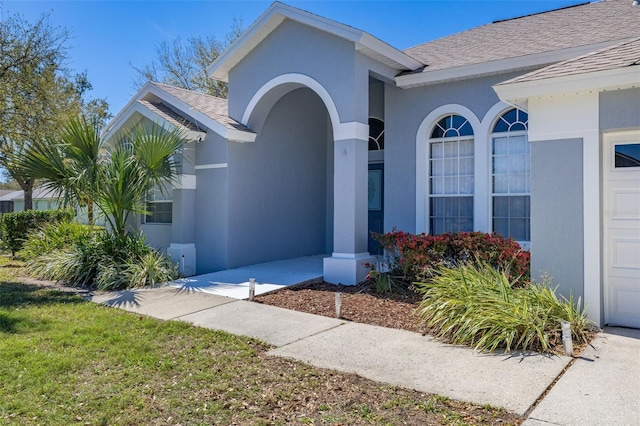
x=269, y=276
x=601, y=388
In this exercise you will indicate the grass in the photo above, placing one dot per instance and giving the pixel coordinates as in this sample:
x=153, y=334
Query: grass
x=68, y=361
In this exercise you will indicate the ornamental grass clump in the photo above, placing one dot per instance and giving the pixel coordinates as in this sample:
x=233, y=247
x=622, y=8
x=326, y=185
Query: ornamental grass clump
x=477, y=305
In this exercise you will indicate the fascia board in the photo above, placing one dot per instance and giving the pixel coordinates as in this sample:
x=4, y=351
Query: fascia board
x=619, y=78
x=122, y=116
x=276, y=14
x=396, y=58
x=496, y=67
x=200, y=117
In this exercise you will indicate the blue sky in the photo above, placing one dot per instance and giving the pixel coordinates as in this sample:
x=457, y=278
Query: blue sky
x=108, y=36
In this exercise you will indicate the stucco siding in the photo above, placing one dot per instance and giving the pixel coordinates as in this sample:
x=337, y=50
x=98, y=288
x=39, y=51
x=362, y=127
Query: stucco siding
x=296, y=48
x=211, y=220
x=157, y=235
x=278, y=184
x=405, y=111
x=620, y=109
x=557, y=225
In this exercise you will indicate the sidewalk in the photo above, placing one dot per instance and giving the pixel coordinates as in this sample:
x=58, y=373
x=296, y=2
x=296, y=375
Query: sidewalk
x=602, y=387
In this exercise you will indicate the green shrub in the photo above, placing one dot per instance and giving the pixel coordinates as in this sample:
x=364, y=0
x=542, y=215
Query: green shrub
x=416, y=257
x=55, y=237
x=478, y=306
x=17, y=226
x=105, y=261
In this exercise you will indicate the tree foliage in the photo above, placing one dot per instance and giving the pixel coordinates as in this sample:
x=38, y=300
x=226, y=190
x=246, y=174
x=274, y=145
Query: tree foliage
x=184, y=64
x=37, y=91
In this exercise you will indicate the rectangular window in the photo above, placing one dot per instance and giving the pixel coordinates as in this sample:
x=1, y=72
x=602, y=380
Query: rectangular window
x=159, y=205
x=627, y=155
x=511, y=166
x=451, y=185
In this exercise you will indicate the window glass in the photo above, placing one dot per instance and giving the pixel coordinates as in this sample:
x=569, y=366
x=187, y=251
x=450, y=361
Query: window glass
x=159, y=205
x=627, y=155
x=376, y=134
x=451, y=178
x=510, y=170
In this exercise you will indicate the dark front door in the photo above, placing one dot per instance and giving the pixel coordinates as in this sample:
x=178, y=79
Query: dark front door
x=376, y=204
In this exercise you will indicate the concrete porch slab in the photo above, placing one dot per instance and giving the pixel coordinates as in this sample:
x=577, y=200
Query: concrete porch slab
x=161, y=302
x=269, y=276
x=270, y=324
x=410, y=360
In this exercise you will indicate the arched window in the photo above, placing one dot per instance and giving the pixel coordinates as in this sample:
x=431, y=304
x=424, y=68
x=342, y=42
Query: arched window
x=510, y=176
x=451, y=175
x=376, y=134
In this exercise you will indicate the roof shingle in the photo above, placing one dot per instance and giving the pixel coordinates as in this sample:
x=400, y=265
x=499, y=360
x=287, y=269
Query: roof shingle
x=581, y=25
x=619, y=56
x=211, y=106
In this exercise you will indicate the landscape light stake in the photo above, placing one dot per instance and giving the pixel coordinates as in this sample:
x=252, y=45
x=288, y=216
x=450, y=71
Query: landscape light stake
x=566, y=338
x=338, y=305
x=252, y=289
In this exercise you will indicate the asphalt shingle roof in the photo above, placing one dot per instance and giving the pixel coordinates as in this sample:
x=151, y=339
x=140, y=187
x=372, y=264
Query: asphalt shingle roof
x=168, y=114
x=622, y=55
x=581, y=25
x=211, y=106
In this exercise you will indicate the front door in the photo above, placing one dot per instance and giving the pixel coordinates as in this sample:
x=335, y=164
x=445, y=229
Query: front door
x=376, y=204
x=621, y=220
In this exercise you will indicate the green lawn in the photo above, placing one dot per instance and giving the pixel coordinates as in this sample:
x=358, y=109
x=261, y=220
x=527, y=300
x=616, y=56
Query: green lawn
x=67, y=361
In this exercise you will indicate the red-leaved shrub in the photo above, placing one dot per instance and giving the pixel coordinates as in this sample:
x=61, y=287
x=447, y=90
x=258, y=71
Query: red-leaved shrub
x=415, y=257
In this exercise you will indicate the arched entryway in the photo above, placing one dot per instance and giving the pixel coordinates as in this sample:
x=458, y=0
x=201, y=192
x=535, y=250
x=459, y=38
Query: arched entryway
x=283, y=190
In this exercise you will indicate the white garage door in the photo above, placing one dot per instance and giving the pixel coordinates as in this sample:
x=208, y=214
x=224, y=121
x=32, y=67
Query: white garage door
x=622, y=229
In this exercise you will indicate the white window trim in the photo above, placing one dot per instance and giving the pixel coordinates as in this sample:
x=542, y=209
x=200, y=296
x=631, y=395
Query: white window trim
x=422, y=159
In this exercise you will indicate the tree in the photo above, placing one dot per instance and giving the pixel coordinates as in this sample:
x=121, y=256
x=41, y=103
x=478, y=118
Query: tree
x=184, y=64
x=37, y=91
x=116, y=176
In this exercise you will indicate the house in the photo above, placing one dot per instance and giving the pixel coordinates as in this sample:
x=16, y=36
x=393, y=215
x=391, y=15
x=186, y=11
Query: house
x=529, y=127
x=42, y=199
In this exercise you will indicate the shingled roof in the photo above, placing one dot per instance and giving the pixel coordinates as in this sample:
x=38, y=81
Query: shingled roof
x=211, y=106
x=570, y=27
x=168, y=114
x=625, y=54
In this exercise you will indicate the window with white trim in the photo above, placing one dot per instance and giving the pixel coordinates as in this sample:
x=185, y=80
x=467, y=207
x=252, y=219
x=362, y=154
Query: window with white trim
x=159, y=205
x=451, y=177
x=510, y=176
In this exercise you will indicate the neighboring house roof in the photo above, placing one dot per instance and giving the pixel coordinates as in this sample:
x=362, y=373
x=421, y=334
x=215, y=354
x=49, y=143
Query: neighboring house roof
x=39, y=193
x=528, y=41
x=278, y=12
x=626, y=54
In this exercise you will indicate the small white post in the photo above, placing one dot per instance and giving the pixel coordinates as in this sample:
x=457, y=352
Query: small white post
x=338, y=305
x=566, y=338
x=252, y=289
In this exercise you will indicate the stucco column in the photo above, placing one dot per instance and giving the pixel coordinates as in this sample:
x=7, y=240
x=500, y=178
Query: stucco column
x=346, y=265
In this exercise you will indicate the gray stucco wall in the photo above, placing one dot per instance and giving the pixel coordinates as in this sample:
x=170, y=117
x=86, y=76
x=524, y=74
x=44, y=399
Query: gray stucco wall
x=620, y=109
x=296, y=48
x=404, y=112
x=157, y=235
x=557, y=242
x=211, y=204
x=278, y=184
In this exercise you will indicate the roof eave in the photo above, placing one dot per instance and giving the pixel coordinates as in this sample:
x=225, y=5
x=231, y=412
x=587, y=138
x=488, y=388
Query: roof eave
x=278, y=12
x=500, y=66
x=180, y=105
x=613, y=79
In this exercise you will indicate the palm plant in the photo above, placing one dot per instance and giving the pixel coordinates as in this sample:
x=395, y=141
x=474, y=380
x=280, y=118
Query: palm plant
x=115, y=176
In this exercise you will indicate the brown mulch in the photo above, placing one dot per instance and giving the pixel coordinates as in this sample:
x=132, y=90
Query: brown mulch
x=361, y=303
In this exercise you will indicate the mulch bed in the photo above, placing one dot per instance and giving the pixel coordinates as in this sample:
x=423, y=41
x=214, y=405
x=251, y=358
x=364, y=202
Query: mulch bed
x=361, y=303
